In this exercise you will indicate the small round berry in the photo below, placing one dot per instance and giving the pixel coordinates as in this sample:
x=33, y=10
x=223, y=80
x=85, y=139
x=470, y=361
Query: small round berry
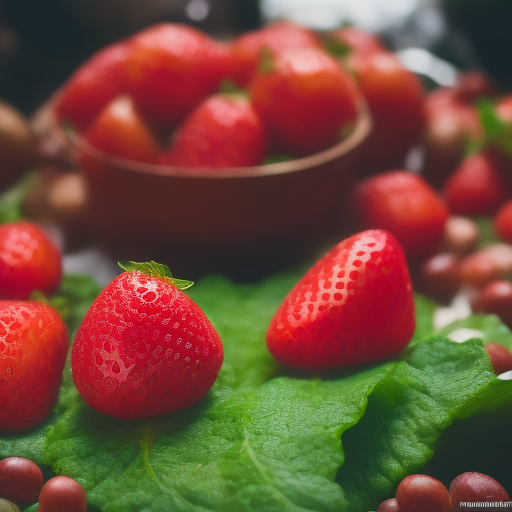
x=62, y=494
x=422, y=493
x=440, y=276
x=501, y=357
x=476, y=487
x=496, y=298
x=388, y=506
x=21, y=480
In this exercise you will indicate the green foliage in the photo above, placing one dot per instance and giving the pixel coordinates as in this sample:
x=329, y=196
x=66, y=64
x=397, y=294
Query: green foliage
x=268, y=439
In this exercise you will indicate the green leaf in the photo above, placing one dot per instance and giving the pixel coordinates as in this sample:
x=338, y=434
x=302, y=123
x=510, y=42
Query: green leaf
x=154, y=269
x=496, y=131
x=11, y=201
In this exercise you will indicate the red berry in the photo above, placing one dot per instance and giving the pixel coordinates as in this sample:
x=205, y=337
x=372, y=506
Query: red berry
x=478, y=186
x=395, y=99
x=501, y=357
x=93, y=85
x=171, y=67
x=502, y=221
x=62, y=494
x=29, y=260
x=223, y=131
x=33, y=349
x=404, y=204
x=248, y=49
x=121, y=131
x=144, y=347
x=422, y=493
x=388, y=506
x=476, y=487
x=348, y=39
x=21, y=481
x=306, y=99
x=339, y=313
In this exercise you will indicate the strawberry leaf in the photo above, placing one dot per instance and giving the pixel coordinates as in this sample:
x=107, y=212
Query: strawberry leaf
x=154, y=269
x=496, y=131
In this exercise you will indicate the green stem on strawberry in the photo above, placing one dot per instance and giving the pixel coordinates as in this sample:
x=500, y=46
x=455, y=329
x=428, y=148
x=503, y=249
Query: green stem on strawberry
x=154, y=269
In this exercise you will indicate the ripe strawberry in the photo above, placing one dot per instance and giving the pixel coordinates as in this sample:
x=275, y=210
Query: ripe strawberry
x=395, y=98
x=33, y=349
x=144, y=347
x=171, y=68
x=404, y=204
x=478, y=186
x=223, y=131
x=502, y=221
x=353, y=306
x=344, y=40
x=29, y=260
x=248, y=49
x=93, y=85
x=121, y=131
x=306, y=99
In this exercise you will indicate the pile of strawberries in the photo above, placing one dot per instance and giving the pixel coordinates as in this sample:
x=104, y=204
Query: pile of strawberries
x=173, y=95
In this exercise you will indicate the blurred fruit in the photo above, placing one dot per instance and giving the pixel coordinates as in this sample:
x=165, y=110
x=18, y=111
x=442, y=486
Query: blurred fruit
x=404, y=204
x=306, y=100
x=223, y=131
x=249, y=49
x=17, y=145
x=93, y=85
x=170, y=68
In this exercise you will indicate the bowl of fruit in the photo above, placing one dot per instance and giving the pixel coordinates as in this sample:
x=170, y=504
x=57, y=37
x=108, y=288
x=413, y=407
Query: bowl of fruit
x=184, y=148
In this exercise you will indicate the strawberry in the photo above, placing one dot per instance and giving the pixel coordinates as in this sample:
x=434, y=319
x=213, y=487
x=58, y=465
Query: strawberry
x=92, y=86
x=248, y=49
x=171, y=67
x=502, y=221
x=145, y=348
x=29, y=261
x=403, y=203
x=223, y=131
x=395, y=98
x=306, y=100
x=33, y=349
x=478, y=185
x=344, y=40
x=121, y=131
x=354, y=306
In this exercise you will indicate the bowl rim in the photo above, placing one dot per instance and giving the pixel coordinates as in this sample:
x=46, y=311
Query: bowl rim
x=46, y=125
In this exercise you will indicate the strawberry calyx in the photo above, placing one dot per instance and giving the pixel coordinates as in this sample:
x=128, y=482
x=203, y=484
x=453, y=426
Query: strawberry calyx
x=158, y=270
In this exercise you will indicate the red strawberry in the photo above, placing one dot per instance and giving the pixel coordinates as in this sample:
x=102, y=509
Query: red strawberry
x=29, y=260
x=121, y=131
x=404, y=204
x=347, y=39
x=502, y=221
x=353, y=306
x=144, y=347
x=395, y=98
x=33, y=349
x=248, y=49
x=307, y=101
x=478, y=186
x=94, y=84
x=171, y=68
x=223, y=131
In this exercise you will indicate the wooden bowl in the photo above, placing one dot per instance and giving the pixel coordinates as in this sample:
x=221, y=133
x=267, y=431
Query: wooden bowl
x=240, y=221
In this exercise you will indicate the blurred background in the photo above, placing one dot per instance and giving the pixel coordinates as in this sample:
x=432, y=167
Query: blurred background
x=42, y=42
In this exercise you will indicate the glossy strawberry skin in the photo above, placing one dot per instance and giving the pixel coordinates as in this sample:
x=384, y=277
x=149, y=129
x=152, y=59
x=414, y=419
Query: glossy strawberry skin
x=92, y=86
x=354, y=306
x=170, y=68
x=33, y=349
x=29, y=260
x=223, y=131
x=144, y=348
x=306, y=100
